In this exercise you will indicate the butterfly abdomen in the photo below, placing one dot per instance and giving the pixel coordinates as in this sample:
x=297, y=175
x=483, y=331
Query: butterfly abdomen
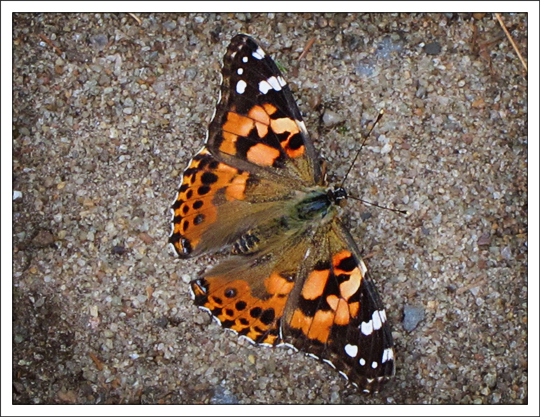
x=245, y=244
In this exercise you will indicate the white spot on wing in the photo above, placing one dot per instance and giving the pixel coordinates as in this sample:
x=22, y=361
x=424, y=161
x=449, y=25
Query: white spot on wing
x=205, y=309
x=351, y=350
x=264, y=87
x=241, y=87
x=374, y=364
x=288, y=345
x=329, y=363
x=185, y=250
x=247, y=338
x=362, y=361
x=383, y=315
x=302, y=126
x=240, y=71
x=258, y=54
x=366, y=328
x=245, y=59
x=227, y=329
x=192, y=293
x=202, y=287
x=274, y=83
x=344, y=375
x=388, y=355
x=281, y=81
x=363, y=268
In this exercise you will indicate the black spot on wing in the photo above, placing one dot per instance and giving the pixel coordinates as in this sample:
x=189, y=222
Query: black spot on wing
x=347, y=264
x=203, y=189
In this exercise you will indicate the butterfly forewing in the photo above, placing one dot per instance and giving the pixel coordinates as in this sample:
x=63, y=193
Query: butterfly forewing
x=335, y=313
x=257, y=125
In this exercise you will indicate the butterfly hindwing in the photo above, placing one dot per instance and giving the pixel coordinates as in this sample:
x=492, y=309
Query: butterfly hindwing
x=248, y=292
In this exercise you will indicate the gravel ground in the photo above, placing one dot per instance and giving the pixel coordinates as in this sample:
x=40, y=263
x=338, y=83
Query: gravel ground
x=106, y=114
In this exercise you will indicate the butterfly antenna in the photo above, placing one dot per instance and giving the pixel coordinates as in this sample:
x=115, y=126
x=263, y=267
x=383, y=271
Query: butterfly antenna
x=376, y=205
x=361, y=146
x=354, y=161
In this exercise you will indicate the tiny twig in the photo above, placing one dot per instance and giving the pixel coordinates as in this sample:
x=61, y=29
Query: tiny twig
x=49, y=42
x=97, y=362
x=465, y=288
x=306, y=49
x=498, y=15
x=134, y=16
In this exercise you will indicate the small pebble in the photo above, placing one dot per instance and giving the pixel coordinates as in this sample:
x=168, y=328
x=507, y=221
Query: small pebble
x=433, y=48
x=412, y=315
x=331, y=118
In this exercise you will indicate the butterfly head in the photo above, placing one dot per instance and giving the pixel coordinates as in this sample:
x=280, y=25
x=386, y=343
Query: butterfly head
x=338, y=196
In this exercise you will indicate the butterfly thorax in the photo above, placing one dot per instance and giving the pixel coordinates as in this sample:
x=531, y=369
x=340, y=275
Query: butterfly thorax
x=307, y=210
x=319, y=203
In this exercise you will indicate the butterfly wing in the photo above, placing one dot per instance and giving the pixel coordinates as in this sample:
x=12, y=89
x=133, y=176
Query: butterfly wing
x=314, y=295
x=257, y=126
x=336, y=313
x=257, y=153
x=248, y=293
x=217, y=204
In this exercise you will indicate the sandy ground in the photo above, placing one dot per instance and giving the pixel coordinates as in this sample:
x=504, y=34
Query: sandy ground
x=106, y=114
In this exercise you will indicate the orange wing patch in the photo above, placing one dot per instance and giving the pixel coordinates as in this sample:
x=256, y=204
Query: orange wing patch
x=317, y=289
x=314, y=328
x=240, y=308
x=349, y=287
x=262, y=154
x=315, y=283
x=291, y=144
x=194, y=209
x=256, y=133
x=235, y=127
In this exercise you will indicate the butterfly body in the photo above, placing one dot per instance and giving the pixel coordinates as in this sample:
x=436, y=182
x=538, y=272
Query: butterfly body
x=295, y=276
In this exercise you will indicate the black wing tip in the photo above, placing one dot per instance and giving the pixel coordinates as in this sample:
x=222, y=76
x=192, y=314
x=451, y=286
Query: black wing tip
x=177, y=241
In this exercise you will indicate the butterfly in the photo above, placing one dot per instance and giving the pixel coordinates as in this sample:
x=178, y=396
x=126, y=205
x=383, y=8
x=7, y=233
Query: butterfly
x=294, y=276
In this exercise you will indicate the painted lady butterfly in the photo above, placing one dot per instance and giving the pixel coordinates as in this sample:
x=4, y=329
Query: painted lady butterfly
x=295, y=276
